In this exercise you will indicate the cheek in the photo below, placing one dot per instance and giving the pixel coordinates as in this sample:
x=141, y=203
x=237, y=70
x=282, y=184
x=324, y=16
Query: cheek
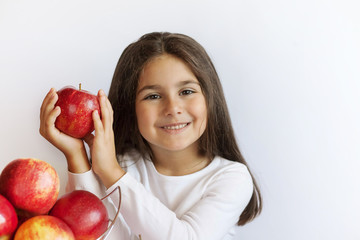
x=144, y=118
x=200, y=111
x=140, y=117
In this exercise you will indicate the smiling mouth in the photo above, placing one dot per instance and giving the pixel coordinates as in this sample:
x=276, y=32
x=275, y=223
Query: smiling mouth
x=175, y=127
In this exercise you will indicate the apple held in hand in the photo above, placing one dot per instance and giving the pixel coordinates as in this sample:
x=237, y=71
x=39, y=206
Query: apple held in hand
x=83, y=212
x=8, y=218
x=44, y=227
x=31, y=185
x=76, y=106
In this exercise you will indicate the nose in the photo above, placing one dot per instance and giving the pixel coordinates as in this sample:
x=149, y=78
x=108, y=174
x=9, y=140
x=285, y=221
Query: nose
x=173, y=107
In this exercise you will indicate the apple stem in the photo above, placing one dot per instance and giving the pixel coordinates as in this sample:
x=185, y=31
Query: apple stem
x=79, y=86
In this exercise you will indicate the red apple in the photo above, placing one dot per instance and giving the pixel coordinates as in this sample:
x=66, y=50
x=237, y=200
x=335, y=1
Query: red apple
x=84, y=212
x=44, y=227
x=76, y=106
x=8, y=218
x=31, y=185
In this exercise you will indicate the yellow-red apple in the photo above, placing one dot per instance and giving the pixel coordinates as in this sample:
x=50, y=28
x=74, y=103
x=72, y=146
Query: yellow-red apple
x=30, y=184
x=44, y=227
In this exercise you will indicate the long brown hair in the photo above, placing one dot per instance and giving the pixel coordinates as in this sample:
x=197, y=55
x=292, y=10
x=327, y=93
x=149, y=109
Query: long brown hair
x=218, y=138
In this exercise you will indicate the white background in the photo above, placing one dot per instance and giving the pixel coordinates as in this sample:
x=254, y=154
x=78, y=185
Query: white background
x=290, y=71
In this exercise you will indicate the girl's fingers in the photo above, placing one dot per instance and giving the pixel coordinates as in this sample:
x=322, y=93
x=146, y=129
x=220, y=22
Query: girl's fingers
x=45, y=102
x=106, y=110
x=47, y=128
x=48, y=114
x=111, y=112
x=48, y=95
x=98, y=125
x=48, y=103
x=53, y=115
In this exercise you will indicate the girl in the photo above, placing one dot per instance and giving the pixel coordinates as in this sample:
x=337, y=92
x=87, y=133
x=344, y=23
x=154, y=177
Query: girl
x=165, y=137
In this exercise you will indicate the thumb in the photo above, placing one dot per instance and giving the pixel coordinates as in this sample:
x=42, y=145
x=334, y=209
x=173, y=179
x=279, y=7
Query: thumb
x=89, y=139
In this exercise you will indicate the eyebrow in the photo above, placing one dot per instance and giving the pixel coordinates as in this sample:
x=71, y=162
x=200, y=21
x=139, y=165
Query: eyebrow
x=156, y=87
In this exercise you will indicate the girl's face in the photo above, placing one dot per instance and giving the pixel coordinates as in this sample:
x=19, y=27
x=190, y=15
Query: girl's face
x=170, y=106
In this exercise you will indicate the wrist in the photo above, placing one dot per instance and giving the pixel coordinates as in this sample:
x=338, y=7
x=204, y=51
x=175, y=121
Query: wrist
x=78, y=161
x=110, y=177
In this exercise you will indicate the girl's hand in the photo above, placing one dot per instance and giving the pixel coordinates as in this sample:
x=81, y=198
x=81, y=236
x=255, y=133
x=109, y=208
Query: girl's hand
x=102, y=145
x=73, y=149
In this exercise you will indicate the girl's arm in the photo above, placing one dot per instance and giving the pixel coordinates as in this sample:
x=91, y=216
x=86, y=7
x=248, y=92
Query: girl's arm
x=102, y=144
x=72, y=148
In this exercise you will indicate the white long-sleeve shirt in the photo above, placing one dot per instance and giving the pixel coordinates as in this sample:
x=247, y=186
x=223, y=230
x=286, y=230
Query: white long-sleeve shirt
x=204, y=205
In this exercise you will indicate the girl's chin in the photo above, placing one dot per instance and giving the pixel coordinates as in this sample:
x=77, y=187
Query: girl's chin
x=173, y=148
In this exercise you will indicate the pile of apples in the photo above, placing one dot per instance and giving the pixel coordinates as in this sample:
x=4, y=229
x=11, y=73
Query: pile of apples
x=29, y=188
x=31, y=209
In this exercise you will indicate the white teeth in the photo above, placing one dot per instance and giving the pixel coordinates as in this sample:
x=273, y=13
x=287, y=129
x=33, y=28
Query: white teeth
x=176, y=126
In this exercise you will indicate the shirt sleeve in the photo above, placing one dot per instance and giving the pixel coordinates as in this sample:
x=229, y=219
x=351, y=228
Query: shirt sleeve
x=85, y=181
x=209, y=219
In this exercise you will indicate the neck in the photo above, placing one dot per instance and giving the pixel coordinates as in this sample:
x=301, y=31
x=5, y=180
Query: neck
x=178, y=163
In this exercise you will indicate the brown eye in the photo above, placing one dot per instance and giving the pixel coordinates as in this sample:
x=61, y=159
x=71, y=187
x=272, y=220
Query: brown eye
x=152, y=97
x=186, y=92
